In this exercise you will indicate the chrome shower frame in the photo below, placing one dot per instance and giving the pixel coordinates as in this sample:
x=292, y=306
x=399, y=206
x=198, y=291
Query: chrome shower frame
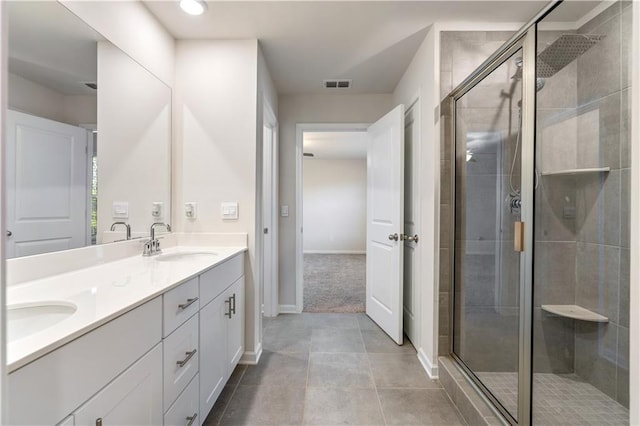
x=525, y=38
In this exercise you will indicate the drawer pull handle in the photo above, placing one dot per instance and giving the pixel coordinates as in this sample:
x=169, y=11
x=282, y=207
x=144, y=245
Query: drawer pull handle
x=186, y=360
x=190, y=302
x=99, y=421
x=192, y=419
x=233, y=310
x=228, y=314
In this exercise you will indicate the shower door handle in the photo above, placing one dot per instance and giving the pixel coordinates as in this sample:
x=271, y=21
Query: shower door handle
x=518, y=236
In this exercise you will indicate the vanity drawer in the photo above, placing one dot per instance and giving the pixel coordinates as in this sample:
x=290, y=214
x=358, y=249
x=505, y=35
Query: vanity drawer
x=179, y=305
x=185, y=411
x=181, y=355
x=216, y=280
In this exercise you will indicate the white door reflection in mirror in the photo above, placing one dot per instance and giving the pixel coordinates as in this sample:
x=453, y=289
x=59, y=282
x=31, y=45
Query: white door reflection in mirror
x=46, y=185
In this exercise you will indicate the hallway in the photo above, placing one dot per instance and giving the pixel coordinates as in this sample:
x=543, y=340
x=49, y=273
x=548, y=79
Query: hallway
x=327, y=369
x=334, y=283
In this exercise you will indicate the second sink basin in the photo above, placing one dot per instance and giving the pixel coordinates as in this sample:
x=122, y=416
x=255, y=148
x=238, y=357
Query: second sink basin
x=185, y=255
x=27, y=318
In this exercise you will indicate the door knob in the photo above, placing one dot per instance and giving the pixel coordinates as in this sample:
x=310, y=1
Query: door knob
x=393, y=237
x=410, y=238
x=9, y=233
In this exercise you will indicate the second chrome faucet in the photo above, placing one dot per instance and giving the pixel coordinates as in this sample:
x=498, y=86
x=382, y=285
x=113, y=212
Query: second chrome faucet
x=152, y=246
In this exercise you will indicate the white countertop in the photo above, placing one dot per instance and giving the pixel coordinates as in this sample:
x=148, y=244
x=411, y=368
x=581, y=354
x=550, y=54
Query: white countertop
x=101, y=293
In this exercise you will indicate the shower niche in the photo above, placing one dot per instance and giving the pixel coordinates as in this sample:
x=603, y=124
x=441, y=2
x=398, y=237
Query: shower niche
x=541, y=138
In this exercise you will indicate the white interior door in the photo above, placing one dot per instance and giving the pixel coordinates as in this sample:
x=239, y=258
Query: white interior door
x=385, y=222
x=46, y=175
x=411, y=226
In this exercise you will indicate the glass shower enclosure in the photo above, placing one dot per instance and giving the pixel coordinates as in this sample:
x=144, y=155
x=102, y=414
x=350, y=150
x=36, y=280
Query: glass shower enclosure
x=541, y=228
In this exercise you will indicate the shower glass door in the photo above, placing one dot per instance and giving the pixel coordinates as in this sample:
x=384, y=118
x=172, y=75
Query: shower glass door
x=486, y=313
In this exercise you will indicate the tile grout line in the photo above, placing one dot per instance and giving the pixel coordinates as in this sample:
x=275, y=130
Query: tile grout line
x=224, y=410
x=375, y=386
x=306, y=383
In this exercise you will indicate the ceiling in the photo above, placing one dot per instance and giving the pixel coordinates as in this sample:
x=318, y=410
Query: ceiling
x=51, y=46
x=336, y=145
x=370, y=42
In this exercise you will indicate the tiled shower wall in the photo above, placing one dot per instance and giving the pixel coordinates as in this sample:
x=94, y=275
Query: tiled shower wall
x=602, y=203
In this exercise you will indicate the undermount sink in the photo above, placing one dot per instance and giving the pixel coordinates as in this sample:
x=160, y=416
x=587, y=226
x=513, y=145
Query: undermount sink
x=185, y=255
x=27, y=318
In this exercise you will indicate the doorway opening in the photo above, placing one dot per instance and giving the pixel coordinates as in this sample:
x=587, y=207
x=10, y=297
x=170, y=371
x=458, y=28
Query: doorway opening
x=383, y=218
x=334, y=194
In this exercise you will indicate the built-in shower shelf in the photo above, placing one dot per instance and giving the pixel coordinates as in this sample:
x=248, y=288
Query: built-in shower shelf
x=575, y=312
x=576, y=172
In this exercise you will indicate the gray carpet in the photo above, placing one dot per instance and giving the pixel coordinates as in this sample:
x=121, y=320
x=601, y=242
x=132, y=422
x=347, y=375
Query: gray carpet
x=334, y=282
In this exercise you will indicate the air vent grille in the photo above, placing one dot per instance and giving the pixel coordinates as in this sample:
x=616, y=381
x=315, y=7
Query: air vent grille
x=336, y=84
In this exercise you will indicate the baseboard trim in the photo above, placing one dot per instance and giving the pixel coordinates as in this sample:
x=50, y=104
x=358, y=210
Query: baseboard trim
x=432, y=370
x=288, y=309
x=251, y=357
x=335, y=252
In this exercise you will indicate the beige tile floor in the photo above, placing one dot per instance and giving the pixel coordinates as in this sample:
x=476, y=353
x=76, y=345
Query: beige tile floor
x=332, y=369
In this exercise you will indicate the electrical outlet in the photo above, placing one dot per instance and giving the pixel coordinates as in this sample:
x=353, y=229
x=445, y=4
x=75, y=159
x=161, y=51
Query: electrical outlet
x=190, y=210
x=157, y=209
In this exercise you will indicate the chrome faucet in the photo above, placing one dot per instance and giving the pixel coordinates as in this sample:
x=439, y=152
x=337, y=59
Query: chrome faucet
x=126, y=225
x=152, y=246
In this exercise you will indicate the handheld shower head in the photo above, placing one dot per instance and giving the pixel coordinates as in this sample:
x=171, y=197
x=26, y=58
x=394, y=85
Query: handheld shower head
x=540, y=81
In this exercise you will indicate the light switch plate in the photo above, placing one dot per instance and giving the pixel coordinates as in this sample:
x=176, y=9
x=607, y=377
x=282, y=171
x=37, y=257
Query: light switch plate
x=284, y=210
x=191, y=210
x=120, y=210
x=229, y=210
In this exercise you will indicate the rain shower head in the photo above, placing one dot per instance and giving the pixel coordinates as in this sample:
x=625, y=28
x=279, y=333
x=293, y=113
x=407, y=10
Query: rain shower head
x=559, y=54
x=563, y=51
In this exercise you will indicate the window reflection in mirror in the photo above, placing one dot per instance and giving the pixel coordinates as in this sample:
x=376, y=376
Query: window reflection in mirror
x=88, y=135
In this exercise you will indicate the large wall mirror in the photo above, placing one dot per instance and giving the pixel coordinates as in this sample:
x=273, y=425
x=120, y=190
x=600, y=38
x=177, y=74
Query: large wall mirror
x=88, y=136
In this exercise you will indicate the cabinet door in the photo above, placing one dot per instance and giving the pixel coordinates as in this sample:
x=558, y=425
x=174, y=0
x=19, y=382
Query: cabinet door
x=213, y=352
x=133, y=398
x=235, y=325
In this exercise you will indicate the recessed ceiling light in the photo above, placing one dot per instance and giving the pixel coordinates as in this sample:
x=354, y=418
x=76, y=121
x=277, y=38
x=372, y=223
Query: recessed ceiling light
x=193, y=7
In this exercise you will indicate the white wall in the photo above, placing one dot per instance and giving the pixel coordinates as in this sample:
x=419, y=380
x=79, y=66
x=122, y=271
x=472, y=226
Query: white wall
x=334, y=205
x=131, y=27
x=422, y=78
x=293, y=109
x=32, y=98
x=215, y=147
x=134, y=140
